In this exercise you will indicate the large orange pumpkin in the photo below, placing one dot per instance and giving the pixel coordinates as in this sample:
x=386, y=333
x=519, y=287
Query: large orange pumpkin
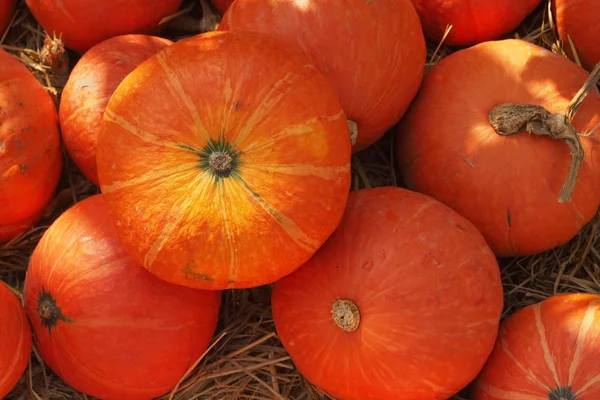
x=91, y=84
x=15, y=345
x=403, y=301
x=30, y=154
x=372, y=52
x=577, y=22
x=224, y=160
x=103, y=323
x=85, y=23
x=472, y=21
x=548, y=350
x=508, y=185
x=7, y=8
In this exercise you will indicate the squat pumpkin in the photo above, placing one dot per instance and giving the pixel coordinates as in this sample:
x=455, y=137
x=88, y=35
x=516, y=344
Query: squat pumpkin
x=548, y=350
x=30, y=154
x=103, y=323
x=224, y=161
x=91, y=84
x=84, y=23
x=403, y=301
x=372, y=52
x=15, y=345
x=577, y=22
x=465, y=142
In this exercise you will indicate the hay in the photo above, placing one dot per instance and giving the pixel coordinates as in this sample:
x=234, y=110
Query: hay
x=246, y=360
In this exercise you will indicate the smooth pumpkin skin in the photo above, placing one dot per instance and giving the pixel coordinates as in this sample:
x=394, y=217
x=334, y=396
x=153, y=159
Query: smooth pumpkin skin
x=85, y=23
x=273, y=112
x=15, y=346
x=579, y=20
x=473, y=21
x=91, y=84
x=372, y=52
x=429, y=294
x=30, y=154
x=7, y=9
x=546, y=349
x=507, y=186
x=222, y=5
x=122, y=332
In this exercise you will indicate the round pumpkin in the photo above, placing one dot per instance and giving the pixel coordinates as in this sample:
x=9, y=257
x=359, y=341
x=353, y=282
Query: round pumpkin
x=224, y=161
x=91, y=84
x=7, y=8
x=548, y=350
x=472, y=21
x=30, y=154
x=222, y=5
x=577, y=21
x=103, y=323
x=85, y=23
x=372, y=52
x=15, y=346
x=403, y=301
x=508, y=185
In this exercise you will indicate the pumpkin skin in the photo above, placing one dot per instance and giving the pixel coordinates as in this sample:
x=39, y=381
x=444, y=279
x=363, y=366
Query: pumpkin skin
x=15, y=346
x=579, y=20
x=428, y=291
x=7, y=9
x=91, y=84
x=30, y=154
x=104, y=324
x=472, y=21
x=222, y=5
x=375, y=61
x=508, y=186
x=85, y=23
x=547, y=350
x=163, y=147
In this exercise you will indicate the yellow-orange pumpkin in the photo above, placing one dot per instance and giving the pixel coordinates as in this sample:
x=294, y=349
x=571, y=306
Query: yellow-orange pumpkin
x=224, y=161
x=577, y=22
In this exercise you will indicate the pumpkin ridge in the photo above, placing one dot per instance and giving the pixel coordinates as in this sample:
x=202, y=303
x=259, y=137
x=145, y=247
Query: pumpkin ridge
x=530, y=375
x=584, y=329
x=544, y=342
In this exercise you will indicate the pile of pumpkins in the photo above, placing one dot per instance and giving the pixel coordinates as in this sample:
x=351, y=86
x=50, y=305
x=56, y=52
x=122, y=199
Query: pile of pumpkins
x=224, y=162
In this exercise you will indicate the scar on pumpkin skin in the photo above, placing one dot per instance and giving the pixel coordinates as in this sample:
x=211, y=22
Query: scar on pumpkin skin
x=188, y=272
x=508, y=218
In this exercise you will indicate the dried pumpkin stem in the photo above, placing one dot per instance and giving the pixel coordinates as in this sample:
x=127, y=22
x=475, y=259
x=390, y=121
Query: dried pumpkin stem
x=220, y=161
x=345, y=315
x=510, y=119
x=353, y=126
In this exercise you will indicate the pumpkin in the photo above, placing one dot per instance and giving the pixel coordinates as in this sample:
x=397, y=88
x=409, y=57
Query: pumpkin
x=224, y=161
x=456, y=145
x=91, y=84
x=472, y=21
x=403, y=301
x=84, y=23
x=372, y=52
x=222, y=5
x=7, y=8
x=104, y=324
x=30, y=154
x=577, y=22
x=548, y=350
x=15, y=345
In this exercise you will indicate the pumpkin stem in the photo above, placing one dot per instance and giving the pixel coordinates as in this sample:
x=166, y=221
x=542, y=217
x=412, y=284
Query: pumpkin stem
x=49, y=312
x=509, y=119
x=220, y=162
x=346, y=315
x=353, y=131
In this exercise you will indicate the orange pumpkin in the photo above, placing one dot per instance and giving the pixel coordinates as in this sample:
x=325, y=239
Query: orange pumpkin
x=224, y=160
x=372, y=52
x=222, y=5
x=577, y=21
x=547, y=350
x=15, y=346
x=7, y=8
x=508, y=185
x=472, y=21
x=403, y=301
x=85, y=23
x=103, y=323
x=91, y=84
x=30, y=154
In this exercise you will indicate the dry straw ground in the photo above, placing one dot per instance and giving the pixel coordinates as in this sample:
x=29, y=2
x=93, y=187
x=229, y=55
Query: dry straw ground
x=246, y=360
